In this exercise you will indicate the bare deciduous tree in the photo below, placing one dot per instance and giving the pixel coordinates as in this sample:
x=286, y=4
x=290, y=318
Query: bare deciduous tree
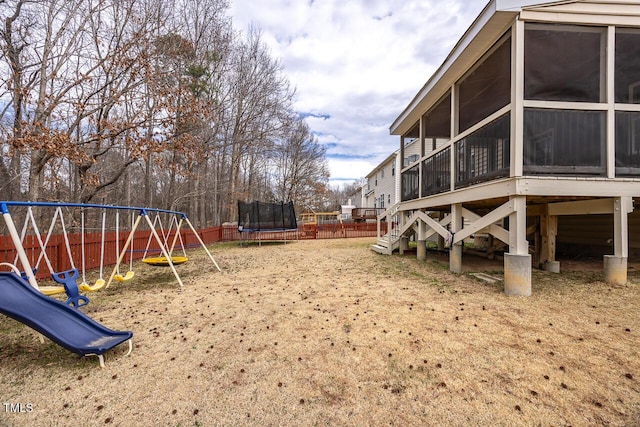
x=103, y=96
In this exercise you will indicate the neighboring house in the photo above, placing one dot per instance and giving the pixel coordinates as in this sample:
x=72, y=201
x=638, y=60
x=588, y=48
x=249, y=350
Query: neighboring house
x=346, y=211
x=533, y=116
x=381, y=189
x=355, y=197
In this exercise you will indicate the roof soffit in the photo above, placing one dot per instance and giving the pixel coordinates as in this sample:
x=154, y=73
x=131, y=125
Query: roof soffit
x=488, y=27
x=518, y=5
x=388, y=161
x=612, y=8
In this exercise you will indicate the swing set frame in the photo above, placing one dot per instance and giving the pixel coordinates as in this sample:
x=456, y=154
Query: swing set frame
x=165, y=249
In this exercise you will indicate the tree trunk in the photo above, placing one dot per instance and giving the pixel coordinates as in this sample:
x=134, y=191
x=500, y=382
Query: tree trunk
x=36, y=177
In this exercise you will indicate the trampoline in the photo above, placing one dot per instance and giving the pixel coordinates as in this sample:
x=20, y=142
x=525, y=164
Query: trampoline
x=267, y=220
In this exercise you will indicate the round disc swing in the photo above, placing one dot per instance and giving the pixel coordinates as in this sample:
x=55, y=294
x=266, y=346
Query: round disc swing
x=161, y=260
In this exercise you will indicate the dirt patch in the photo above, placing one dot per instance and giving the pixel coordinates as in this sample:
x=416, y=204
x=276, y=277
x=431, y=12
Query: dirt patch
x=328, y=332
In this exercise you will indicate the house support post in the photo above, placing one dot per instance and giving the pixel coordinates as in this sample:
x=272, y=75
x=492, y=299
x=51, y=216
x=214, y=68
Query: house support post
x=615, y=266
x=404, y=244
x=440, y=238
x=455, y=252
x=517, y=263
x=548, y=232
x=421, y=249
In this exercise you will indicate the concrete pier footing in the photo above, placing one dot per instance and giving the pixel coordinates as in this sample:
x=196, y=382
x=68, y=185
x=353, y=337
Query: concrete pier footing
x=421, y=250
x=517, y=274
x=615, y=269
x=455, y=258
x=551, y=266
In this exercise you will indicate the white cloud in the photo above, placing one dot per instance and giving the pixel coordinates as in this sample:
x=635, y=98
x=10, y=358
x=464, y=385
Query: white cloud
x=359, y=62
x=338, y=167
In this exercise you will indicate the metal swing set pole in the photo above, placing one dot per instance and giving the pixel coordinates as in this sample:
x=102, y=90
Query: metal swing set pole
x=17, y=242
x=22, y=256
x=165, y=253
x=176, y=236
x=163, y=248
x=201, y=242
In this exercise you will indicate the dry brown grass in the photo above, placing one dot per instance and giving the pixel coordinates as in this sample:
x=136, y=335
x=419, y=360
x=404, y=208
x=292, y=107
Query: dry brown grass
x=330, y=333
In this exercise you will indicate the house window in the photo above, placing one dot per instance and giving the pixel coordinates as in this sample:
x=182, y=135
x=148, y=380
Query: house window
x=436, y=177
x=487, y=87
x=412, y=135
x=410, y=159
x=382, y=173
x=627, y=143
x=564, y=63
x=627, y=91
x=382, y=200
x=483, y=155
x=564, y=141
x=410, y=184
x=389, y=199
x=628, y=66
x=437, y=122
x=393, y=170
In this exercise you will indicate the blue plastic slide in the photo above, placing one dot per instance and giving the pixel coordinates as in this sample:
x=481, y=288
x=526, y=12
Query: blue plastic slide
x=65, y=325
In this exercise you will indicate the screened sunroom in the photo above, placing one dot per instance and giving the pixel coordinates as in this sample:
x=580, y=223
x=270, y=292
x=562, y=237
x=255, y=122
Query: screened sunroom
x=535, y=114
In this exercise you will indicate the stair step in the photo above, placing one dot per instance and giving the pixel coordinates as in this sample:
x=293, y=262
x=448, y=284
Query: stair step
x=379, y=249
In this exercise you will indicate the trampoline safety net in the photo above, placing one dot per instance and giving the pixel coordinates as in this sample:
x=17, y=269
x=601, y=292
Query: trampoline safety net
x=260, y=216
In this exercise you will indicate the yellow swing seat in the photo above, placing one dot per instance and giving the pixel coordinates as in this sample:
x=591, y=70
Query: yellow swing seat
x=51, y=290
x=125, y=278
x=92, y=288
x=164, y=262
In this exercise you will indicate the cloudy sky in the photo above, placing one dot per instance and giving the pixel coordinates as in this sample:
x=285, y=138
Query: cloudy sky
x=356, y=64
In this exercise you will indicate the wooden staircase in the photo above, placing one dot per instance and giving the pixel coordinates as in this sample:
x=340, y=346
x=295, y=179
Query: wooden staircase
x=384, y=246
x=405, y=223
x=391, y=241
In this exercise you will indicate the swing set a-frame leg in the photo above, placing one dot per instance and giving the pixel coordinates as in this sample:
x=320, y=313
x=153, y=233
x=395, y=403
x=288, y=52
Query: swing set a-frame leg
x=202, y=243
x=158, y=240
x=164, y=250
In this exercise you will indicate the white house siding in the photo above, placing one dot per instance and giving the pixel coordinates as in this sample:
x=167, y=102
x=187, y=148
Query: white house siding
x=384, y=180
x=411, y=152
x=593, y=234
x=389, y=185
x=382, y=184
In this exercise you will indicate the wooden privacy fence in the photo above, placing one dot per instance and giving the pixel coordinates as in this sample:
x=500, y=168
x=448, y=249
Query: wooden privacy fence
x=56, y=250
x=308, y=232
x=113, y=243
